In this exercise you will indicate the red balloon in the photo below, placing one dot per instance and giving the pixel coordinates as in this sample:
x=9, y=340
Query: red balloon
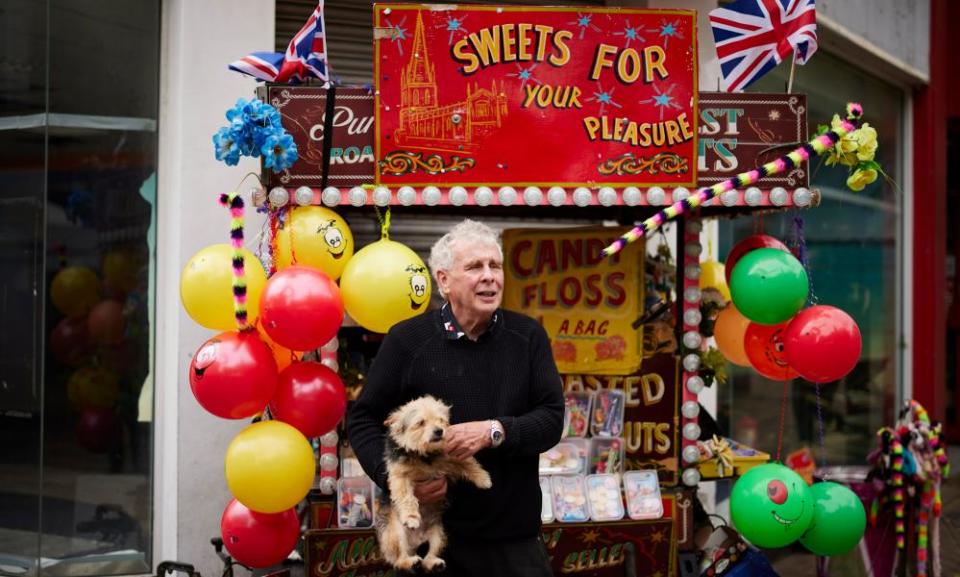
x=301, y=308
x=258, y=539
x=105, y=322
x=310, y=397
x=70, y=341
x=746, y=245
x=98, y=430
x=822, y=343
x=233, y=375
x=765, y=349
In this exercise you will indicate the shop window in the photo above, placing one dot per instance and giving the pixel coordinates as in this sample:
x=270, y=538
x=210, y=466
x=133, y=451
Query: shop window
x=854, y=247
x=79, y=89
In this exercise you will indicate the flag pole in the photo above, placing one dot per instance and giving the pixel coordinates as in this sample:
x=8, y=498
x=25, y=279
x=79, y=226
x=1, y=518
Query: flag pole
x=793, y=66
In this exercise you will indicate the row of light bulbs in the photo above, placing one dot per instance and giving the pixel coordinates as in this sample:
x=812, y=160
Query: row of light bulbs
x=531, y=196
x=692, y=339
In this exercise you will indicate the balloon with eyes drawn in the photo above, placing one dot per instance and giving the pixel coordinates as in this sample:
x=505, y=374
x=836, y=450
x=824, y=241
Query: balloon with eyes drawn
x=383, y=284
x=765, y=350
x=771, y=506
x=315, y=236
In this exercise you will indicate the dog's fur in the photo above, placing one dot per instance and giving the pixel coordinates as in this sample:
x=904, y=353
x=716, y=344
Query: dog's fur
x=415, y=452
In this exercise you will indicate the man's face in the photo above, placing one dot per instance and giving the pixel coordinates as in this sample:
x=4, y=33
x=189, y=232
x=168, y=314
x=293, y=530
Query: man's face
x=474, y=284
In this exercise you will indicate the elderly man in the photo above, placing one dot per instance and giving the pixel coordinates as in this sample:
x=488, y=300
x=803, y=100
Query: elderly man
x=495, y=369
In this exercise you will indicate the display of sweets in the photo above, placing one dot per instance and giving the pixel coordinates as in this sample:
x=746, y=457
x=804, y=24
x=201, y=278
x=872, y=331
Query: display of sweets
x=576, y=414
x=608, y=409
x=643, y=495
x=546, y=500
x=606, y=503
x=606, y=455
x=570, y=498
x=355, y=498
x=569, y=457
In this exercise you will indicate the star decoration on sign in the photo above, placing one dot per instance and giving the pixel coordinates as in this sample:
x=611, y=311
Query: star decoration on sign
x=455, y=25
x=604, y=97
x=630, y=33
x=590, y=536
x=525, y=74
x=774, y=115
x=667, y=31
x=662, y=100
x=397, y=32
x=584, y=21
x=656, y=537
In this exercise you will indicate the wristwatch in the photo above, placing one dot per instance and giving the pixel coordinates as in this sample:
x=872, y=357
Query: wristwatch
x=496, y=434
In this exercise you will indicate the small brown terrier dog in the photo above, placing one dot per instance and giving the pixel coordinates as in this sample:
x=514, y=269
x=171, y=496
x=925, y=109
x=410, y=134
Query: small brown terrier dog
x=415, y=452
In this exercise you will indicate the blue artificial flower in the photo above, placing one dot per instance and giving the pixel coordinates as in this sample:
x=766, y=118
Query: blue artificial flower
x=279, y=152
x=225, y=145
x=255, y=128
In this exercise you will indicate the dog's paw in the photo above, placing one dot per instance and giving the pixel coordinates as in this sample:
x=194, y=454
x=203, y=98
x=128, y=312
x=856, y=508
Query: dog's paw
x=431, y=563
x=411, y=520
x=408, y=563
x=484, y=481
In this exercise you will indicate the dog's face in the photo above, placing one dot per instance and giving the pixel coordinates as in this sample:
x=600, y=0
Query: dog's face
x=420, y=425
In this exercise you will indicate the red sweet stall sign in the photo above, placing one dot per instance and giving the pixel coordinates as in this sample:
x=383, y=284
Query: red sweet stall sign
x=508, y=95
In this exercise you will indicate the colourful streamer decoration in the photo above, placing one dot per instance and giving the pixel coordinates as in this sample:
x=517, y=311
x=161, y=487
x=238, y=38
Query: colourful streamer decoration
x=815, y=147
x=234, y=202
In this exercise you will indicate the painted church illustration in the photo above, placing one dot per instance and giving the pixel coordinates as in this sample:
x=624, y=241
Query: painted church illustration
x=426, y=123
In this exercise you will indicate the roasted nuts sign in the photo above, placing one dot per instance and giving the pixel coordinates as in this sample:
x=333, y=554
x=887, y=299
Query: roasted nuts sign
x=490, y=95
x=586, y=302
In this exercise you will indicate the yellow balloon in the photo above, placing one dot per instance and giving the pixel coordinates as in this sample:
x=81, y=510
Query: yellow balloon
x=93, y=388
x=120, y=269
x=728, y=331
x=206, y=286
x=712, y=275
x=321, y=239
x=383, y=284
x=75, y=290
x=269, y=467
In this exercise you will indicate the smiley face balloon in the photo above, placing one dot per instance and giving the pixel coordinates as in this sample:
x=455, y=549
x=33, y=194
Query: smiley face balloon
x=315, y=236
x=383, y=284
x=771, y=506
x=764, y=345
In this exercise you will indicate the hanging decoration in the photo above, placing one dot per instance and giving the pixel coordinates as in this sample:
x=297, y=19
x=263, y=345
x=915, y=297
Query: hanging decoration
x=255, y=130
x=803, y=153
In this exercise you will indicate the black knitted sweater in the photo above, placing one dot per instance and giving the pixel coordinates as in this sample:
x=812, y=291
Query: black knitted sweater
x=508, y=374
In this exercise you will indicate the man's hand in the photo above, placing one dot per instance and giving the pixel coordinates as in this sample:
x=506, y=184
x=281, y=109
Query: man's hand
x=464, y=440
x=430, y=490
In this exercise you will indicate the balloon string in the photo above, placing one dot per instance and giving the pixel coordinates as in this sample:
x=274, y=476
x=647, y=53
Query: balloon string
x=823, y=445
x=783, y=418
x=815, y=147
x=234, y=202
x=274, y=229
x=384, y=223
x=800, y=245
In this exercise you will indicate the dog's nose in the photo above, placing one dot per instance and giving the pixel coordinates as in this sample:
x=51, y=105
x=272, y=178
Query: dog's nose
x=437, y=434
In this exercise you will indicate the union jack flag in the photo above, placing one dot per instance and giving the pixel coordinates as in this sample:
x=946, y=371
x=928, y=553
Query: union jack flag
x=754, y=36
x=306, y=56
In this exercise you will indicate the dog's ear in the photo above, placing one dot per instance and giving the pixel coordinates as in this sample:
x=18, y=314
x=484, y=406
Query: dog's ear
x=392, y=420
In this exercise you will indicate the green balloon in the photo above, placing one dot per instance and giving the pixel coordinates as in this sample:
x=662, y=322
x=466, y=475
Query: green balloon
x=838, y=520
x=771, y=506
x=769, y=286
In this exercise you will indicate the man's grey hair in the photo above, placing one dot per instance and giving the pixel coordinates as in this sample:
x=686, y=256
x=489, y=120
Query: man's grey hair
x=468, y=231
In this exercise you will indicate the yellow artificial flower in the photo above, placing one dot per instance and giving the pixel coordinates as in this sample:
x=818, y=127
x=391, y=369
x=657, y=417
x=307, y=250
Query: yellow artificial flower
x=861, y=178
x=866, y=142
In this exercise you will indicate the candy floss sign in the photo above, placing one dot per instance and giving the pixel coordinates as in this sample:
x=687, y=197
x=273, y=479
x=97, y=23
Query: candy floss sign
x=585, y=301
x=490, y=95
